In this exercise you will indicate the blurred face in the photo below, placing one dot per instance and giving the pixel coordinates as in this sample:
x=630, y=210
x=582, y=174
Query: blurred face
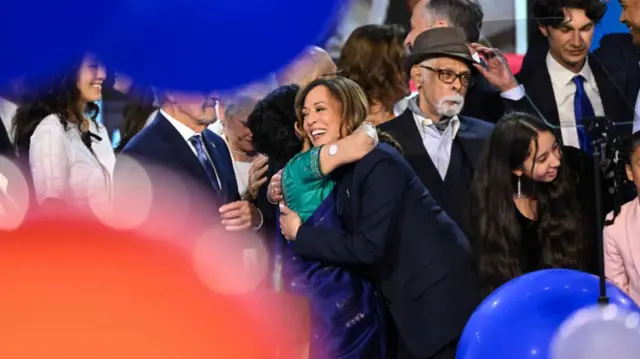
x=442, y=84
x=322, y=116
x=630, y=16
x=542, y=165
x=198, y=110
x=238, y=132
x=633, y=170
x=307, y=68
x=421, y=21
x=91, y=75
x=569, y=43
x=122, y=83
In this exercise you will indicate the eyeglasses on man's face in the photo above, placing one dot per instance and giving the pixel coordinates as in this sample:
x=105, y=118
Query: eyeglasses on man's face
x=449, y=77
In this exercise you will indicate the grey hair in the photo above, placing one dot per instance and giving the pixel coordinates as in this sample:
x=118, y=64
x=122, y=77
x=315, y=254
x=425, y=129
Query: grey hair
x=238, y=104
x=465, y=14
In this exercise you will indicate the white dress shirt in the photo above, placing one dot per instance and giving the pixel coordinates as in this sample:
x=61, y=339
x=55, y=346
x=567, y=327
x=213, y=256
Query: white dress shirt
x=63, y=167
x=438, y=144
x=564, y=90
x=187, y=133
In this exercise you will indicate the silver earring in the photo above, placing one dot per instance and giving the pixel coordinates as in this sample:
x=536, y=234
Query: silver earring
x=519, y=189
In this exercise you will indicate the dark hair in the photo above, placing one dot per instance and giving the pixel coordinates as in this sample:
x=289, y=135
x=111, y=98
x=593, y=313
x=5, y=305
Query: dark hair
x=58, y=96
x=634, y=143
x=493, y=214
x=272, y=124
x=465, y=14
x=372, y=57
x=551, y=12
x=355, y=106
x=135, y=113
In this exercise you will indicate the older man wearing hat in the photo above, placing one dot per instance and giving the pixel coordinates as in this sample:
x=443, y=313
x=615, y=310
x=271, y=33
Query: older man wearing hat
x=443, y=147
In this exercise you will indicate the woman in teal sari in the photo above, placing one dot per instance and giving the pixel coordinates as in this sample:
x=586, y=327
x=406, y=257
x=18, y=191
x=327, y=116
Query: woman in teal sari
x=346, y=313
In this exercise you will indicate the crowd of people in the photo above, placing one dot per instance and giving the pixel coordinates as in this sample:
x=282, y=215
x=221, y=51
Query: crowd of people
x=394, y=213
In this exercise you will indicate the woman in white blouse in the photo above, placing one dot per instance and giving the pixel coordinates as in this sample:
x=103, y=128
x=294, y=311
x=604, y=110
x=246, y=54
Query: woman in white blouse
x=69, y=153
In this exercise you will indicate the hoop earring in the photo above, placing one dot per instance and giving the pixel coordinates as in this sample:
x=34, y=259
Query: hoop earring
x=519, y=194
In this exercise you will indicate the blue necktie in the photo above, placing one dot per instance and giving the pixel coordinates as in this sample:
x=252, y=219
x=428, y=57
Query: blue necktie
x=204, y=160
x=583, y=109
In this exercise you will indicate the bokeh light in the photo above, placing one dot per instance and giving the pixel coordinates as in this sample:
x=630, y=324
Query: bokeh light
x=75, y=289
x=14, y=195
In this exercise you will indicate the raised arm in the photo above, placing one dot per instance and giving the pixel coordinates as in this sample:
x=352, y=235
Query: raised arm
x=349, y=149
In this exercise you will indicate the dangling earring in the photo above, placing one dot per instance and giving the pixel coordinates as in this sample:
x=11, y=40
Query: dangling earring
x=519, y=194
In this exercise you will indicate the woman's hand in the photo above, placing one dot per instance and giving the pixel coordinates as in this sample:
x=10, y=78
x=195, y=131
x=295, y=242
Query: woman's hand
x=290, y=222
x=257, y=176
x=367, y=135
x=274, y=190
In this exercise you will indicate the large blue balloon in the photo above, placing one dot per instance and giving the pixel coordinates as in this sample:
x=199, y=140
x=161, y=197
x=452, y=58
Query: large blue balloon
x=519, y=319
x=212, y=44
x=40, y=37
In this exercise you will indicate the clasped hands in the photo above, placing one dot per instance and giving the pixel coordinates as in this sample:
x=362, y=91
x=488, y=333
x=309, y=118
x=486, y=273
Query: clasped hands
x=290, y=221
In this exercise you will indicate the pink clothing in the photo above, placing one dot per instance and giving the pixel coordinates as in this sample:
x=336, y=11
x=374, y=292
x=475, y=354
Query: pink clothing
x=622, y=250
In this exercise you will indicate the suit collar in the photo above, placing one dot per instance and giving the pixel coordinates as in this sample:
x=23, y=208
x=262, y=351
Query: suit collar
x=563, y=76
x=180, y=148
x=182, y=129
x=412, y=144
x=540, y=92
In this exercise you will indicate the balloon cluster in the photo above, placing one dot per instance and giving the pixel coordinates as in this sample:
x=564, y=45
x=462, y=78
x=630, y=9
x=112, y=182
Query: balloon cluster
x=177, y=44
x=521, y=318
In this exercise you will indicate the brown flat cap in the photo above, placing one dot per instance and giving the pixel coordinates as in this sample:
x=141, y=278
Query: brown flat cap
x=439, y=42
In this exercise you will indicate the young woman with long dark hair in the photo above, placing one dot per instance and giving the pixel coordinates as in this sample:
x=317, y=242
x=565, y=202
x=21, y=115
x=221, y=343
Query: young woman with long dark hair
x=524, y=208
x=69, y=154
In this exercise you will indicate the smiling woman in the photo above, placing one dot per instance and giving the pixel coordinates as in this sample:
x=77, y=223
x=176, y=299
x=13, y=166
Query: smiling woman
x=524, y=211
x=68, y=152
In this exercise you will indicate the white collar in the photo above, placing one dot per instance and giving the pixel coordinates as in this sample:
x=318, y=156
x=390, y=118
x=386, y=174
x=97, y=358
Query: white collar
x=423, y=122
x=183, y=129
x=561, y=76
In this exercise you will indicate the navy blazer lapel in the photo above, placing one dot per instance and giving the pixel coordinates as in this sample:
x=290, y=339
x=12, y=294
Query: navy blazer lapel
x=472, y=145
x=183, y=154
x=214, y=153
x=412, y=146
x=540, y=92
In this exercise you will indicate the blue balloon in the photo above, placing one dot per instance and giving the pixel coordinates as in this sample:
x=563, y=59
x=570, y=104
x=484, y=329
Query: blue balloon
x=210, y=45
x=519, y=319
x=40, y=37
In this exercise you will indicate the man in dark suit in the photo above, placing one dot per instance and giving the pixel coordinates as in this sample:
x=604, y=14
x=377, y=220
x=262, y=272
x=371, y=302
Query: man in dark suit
x=495, y=90
x=570, y=84
x=419, y=258
x=442, y=146
x=178, y=140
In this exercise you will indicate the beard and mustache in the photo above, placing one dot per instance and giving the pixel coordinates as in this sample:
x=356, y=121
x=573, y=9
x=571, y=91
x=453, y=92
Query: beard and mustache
x=450, y=106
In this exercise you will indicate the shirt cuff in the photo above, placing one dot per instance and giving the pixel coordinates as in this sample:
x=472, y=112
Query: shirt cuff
x=515, y=94
x=261, y=221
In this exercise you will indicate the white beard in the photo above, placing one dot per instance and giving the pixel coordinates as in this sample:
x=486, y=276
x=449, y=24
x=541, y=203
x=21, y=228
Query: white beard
x=450, y=110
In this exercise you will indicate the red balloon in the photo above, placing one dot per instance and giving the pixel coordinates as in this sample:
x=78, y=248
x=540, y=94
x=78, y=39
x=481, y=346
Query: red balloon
x=78, y=290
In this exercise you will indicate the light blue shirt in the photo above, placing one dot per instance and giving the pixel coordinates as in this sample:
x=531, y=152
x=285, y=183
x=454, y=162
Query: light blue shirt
x=438, y=144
